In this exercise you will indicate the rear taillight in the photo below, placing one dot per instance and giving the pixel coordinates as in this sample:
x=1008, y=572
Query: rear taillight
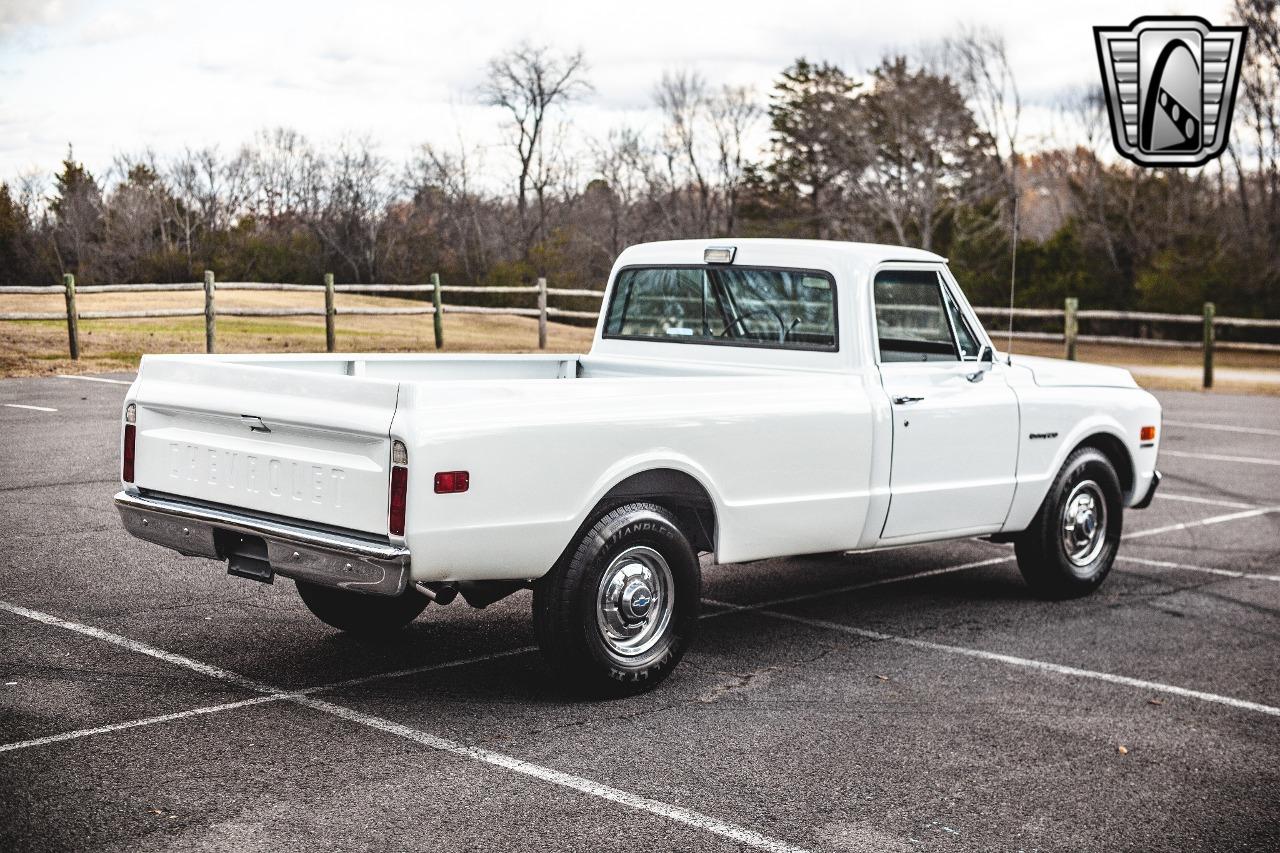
x=399, y=487
x=130, y=439
x=126, y=472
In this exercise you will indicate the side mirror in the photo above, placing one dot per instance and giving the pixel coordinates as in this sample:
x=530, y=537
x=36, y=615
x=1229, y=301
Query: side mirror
x=986, y=360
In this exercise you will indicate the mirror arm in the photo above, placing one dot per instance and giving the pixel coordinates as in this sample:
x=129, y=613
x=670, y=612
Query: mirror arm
x=986, y=360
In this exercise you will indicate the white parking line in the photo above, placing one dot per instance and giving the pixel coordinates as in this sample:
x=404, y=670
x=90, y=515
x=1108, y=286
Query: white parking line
x=96, y=379
x=1204, y=522
x=1199, y=500
x=1226, y=573
x=792, y=599
x=228, y=706
x=133, y=724
x=1223, y=427
x=32, y=408
x=413, y=670
x=1030, y=663
x=978, y=564
x=689, y=817
x=733, y=832
x=1216, y=457
x=140, y=648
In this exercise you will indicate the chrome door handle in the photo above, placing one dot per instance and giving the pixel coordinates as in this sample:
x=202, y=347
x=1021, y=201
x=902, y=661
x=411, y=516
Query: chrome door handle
x=906, y=399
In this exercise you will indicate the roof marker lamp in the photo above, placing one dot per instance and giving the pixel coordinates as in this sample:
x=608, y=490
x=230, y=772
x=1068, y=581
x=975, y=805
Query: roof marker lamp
x=719, y=254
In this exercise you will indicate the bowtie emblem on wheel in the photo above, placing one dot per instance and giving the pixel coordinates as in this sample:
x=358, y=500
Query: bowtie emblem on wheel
x=1170, y=84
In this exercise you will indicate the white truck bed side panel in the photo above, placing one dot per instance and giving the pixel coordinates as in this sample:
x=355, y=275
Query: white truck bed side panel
x=786, y=459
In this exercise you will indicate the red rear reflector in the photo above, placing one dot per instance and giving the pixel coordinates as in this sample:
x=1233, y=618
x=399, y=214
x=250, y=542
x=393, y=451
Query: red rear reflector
x=130, y=436
x=452, y=482
x=399, y=491
x=1147, y=433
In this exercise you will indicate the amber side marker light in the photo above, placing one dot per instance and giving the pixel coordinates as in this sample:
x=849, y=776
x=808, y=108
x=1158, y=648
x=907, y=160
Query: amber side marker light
x=130, y=440
x=1147, y=433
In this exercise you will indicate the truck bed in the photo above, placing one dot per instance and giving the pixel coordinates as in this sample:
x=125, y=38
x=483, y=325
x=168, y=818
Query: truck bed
x=543, y=437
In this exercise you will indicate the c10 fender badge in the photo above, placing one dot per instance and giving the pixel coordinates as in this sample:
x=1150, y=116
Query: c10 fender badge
x=1170, y=84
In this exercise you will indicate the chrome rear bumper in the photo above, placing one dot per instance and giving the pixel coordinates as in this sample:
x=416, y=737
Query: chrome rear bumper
x=328, y=558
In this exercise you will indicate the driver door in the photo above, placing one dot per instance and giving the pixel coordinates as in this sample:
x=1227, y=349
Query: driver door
x=955, y=424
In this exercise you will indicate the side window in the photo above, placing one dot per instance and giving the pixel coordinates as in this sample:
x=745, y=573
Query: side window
x=964, y=335
x=911, y=317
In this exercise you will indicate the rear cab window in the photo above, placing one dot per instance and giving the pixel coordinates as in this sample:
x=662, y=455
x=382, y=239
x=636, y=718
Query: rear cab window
x=726, y=305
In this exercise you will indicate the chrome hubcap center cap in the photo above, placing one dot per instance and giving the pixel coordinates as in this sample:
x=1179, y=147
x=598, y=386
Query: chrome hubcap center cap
x=636, y=599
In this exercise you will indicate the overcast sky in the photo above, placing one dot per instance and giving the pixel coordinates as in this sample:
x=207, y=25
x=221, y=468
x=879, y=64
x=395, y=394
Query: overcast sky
x=112, y=76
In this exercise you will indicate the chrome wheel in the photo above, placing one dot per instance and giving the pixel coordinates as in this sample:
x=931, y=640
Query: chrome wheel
x=1084, y=524
x=634, y=602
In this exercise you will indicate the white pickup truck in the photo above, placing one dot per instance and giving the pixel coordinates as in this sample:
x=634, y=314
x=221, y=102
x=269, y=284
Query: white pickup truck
x=742, y=398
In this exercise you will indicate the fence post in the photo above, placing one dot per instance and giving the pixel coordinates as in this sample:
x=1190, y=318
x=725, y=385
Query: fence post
x=73, y=317
x=437, y=317
x=542, y=313
x=208, y=311
x=330, y=342
x=1070, y=326
x=1208, y=344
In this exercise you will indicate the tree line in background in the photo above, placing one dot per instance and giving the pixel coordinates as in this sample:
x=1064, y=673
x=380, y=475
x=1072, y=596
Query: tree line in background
x=923, y=150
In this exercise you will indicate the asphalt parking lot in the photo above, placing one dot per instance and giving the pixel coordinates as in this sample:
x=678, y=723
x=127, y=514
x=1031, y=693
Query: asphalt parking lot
x=915, y=699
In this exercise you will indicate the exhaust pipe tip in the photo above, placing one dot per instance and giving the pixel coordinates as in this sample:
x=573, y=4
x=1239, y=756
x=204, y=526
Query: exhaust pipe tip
x=437, y=593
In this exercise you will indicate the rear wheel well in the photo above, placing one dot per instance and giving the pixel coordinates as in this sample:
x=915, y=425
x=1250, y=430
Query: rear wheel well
x=675, y=491
x=1117, y=454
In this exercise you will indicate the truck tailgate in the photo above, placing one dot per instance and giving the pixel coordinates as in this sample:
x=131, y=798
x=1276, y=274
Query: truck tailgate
x=298, y=444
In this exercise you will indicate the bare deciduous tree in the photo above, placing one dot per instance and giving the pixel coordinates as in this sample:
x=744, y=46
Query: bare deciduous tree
x=734, y=114
x=529, y=82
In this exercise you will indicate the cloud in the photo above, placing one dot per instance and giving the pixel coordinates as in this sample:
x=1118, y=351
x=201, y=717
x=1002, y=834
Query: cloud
x=119, y=75
x=18, y=15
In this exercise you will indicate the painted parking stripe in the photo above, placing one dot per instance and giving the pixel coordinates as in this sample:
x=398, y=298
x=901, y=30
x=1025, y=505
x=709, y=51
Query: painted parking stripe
x=32, y=408
x=138, y=647
x=1195, y=499
x=413, y=670
x=1226, y=573
x=1030, y=663
x=1217, y=457
x=678, y=814
x=1204, y=522
x=946, y=570
x=1223, y=428
x=259, y=700
x=792, y=599
x=697, y=820
x=96, y=379
x=133, y=724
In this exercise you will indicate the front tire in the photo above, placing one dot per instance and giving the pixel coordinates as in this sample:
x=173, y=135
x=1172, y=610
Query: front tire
x=361, y=614
x=617, y=612
x=1071, y=544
